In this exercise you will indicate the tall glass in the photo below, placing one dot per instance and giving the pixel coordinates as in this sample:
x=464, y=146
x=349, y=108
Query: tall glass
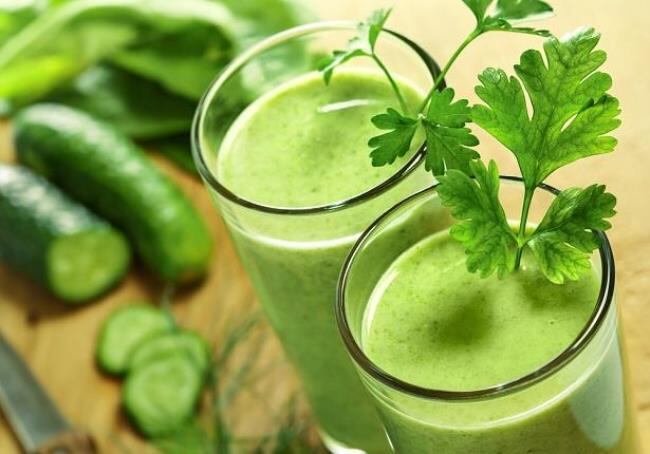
x=577, y=403
x=293, y=255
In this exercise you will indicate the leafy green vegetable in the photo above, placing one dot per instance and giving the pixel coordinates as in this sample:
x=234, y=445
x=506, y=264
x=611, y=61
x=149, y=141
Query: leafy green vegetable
x=30, y=79
x=184, y=61
x=136, y=106
x=571, y=111
x=571, y=115
x=261, y=18
x=80, y=33
x=448, y=140
x=15, y=14
x=490, y=244
x=152, y=54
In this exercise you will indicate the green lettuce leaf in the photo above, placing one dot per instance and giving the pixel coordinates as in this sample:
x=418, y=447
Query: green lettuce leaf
x=135, y=33
x=138, y=107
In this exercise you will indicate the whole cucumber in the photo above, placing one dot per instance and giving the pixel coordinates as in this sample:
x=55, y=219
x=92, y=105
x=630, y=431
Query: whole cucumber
x=56, y=241
x=104, y=170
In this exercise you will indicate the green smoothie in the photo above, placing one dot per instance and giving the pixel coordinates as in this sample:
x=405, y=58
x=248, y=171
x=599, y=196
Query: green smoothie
x=431, y=323
x=301, y=145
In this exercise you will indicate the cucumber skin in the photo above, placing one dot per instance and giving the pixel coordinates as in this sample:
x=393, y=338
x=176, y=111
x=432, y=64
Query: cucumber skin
x=104, y=170
x=33, y=214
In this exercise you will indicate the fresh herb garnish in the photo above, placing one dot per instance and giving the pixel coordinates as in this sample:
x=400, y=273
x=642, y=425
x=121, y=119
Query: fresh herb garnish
x=565, y=238
x=508, y=13
x=572, y=113
x=482, y=228
x=363, y=45
x=448, y=141
x=571, y=117
x=571, y=108
x=395, y=143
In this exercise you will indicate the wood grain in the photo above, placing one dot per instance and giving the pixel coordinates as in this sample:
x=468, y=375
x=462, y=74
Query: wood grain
x=58, y=341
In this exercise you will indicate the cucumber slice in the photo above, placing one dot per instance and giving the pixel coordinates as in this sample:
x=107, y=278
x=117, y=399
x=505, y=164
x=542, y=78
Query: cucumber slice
x=56, y=241
x=82, y=265
x=123, y=330
x=162, y=395
x=185, y=344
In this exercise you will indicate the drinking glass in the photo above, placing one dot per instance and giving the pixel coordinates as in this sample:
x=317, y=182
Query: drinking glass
x=293, y=254
x=576, y=403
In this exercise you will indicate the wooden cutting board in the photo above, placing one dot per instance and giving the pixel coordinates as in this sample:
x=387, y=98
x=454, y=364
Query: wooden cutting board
x=58, y=341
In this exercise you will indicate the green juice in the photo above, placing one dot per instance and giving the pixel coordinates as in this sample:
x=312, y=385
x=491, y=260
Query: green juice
x=433, y=324
x=301, y=145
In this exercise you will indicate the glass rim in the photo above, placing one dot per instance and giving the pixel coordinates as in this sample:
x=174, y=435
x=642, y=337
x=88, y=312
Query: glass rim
x=591, y=327
x=264, y=45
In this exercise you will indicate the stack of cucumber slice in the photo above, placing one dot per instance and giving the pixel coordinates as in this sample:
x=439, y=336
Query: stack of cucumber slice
x=165, y=367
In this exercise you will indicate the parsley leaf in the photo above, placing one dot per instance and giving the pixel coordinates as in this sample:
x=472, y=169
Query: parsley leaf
x=448, y=140
x=508, y=13
x=396, y=143
x=561, y=244
x=559, y=260
x=479, y=8
x=490, y=244
x=502, y=25
x=519, y=10
x=571, y=111
x=564, y=240
x=362, y=45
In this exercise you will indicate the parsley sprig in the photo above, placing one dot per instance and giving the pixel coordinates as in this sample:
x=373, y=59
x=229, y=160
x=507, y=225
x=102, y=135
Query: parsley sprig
x=571, y=117
x=449, y=142
x=363, y=45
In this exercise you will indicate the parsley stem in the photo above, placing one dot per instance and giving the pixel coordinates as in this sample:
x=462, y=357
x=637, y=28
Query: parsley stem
x=393, y=84
x=471, y=37
x=523, y=223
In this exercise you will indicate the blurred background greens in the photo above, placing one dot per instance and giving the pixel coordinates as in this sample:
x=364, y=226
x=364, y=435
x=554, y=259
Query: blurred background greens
x=141, y=65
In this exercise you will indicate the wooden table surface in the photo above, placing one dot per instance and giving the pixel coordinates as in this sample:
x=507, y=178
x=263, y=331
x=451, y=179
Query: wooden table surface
x=58, y=341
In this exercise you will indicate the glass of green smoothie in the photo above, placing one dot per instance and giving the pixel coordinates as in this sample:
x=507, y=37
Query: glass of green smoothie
x=461, y=364
x=284, y=156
